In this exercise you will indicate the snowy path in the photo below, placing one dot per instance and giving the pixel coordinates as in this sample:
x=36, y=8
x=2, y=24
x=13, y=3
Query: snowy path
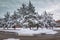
x=27, y=31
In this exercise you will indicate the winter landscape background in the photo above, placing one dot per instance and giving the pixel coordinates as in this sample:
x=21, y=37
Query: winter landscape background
x=29, y=20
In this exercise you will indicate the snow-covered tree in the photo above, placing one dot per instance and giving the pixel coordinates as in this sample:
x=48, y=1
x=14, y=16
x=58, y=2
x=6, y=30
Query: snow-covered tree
x=31, y=8
x=15, y=18
x=47, y=20
x=22, y=10
x=7, y=16
x=32, y=16
x=7, y=20
x=26, y=16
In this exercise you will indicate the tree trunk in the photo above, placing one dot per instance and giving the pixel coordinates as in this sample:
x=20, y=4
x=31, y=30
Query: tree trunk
x=37, y=27
x=30, y=28
x=7, y=27
x=14, y=28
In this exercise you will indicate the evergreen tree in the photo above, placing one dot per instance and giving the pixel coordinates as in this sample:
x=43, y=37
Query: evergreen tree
x=47, y=20
x=31, y=8
x=22, y=10
x=7, y=16
x=15, y=16
x=29, y=18
x=7, y=20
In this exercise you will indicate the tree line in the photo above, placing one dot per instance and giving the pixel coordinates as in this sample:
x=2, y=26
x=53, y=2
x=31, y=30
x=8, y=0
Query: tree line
x=26, y=17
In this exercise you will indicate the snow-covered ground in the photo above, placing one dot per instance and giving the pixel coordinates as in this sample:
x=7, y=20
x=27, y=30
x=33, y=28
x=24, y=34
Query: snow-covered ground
x=27, y=31
x=57, y=28
x=11, y=39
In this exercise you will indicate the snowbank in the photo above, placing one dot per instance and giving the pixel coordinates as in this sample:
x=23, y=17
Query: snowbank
x=58, y=28
x=11, y=39
x=32, y=32
x=27, y=31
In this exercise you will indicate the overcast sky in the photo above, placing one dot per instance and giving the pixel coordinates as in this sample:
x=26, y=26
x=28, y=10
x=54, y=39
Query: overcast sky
x=52, y=6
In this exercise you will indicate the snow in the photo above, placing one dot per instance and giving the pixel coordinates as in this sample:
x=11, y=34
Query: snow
x=28, y=32
x=11, y=39
x=32, y=32
x=58, y=28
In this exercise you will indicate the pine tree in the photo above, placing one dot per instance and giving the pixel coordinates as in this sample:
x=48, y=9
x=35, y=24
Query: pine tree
x=31, y=8
x=15, y=16
x=7, y=20
x=29, y=18
x=47, y=20
x=22, y=10
x=7, y=15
